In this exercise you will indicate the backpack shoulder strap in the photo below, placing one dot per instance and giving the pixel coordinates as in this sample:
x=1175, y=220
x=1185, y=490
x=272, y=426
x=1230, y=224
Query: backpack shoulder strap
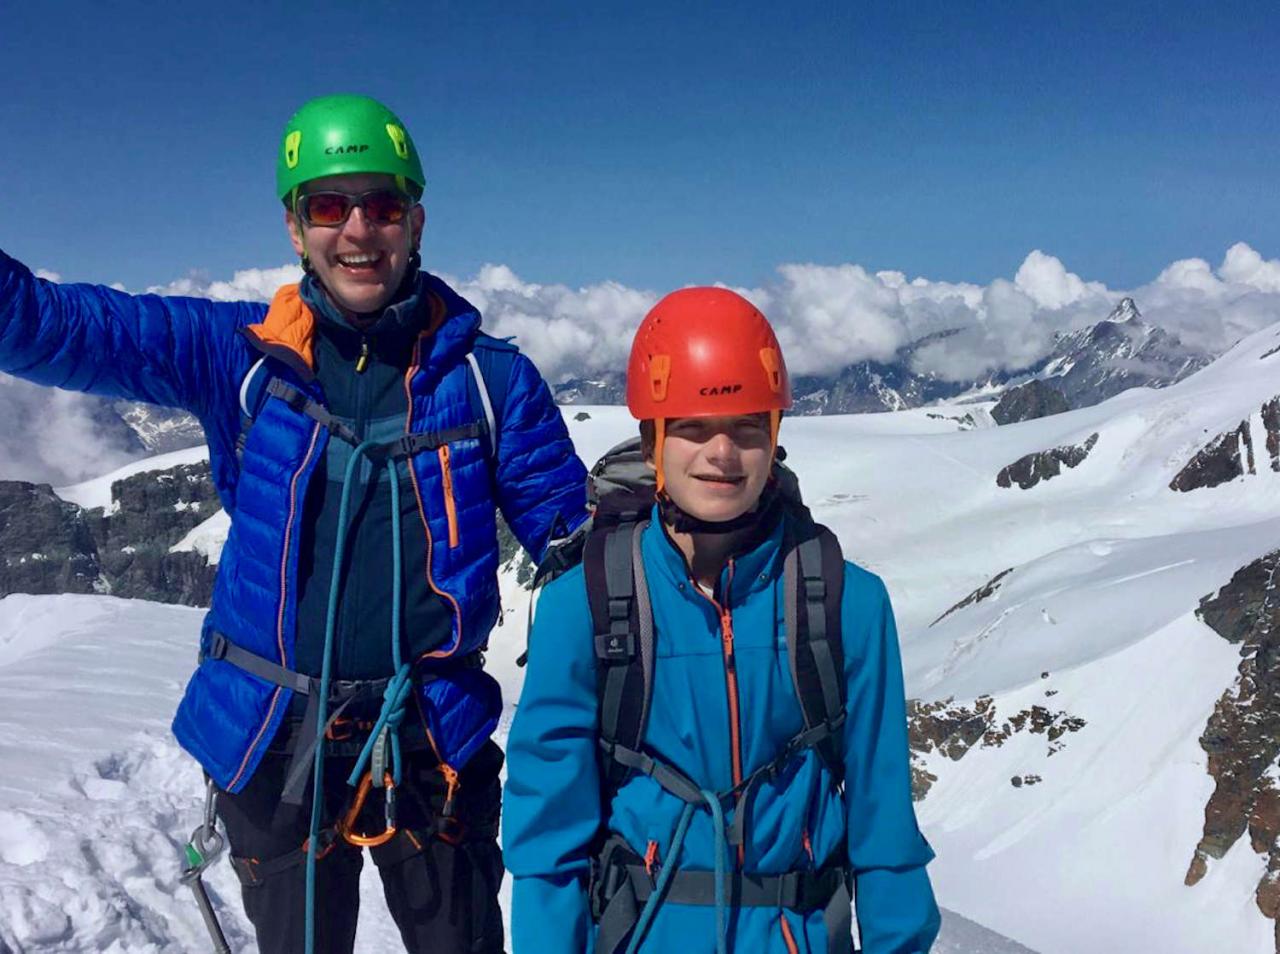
x=813, y=571
x=253, y=394
x=490, y=361
x=622, y=621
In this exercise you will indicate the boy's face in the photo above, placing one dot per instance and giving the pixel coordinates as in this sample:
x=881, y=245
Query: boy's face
x=716, y=468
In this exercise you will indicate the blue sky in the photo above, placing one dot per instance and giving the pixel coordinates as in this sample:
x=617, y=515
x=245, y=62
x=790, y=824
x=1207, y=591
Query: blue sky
x=659, y=144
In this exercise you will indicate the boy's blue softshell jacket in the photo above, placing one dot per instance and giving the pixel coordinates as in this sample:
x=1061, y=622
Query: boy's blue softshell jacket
x=799, y=820
x=194, y=354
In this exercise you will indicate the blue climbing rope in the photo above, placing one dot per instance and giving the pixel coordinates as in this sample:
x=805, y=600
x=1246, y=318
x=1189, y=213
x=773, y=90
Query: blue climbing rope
x=673, y=856
x=393, y=697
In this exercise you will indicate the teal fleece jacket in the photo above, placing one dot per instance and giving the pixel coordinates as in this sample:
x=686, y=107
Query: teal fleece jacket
x=799, y=820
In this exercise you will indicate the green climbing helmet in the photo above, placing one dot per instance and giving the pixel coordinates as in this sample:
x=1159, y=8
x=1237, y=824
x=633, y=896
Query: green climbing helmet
x=337, y=135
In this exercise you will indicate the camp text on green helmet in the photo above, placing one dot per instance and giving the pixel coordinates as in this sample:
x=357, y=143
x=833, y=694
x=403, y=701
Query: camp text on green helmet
x=338, y=135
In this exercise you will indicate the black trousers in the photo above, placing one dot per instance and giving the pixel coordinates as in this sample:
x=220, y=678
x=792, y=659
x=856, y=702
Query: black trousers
x=442, y=894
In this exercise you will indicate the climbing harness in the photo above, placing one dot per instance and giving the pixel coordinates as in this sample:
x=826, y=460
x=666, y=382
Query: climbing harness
x=200, y=852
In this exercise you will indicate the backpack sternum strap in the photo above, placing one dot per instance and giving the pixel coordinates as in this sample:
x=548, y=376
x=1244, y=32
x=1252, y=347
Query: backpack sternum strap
x=666, y=775
x=312, y=409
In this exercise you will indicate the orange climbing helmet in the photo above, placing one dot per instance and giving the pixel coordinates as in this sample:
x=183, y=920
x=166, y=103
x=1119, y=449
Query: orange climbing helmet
x=705, y=352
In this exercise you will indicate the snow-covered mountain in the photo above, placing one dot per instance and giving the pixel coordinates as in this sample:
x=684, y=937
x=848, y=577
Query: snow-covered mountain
x=1085, y=607
x=1087, y=366
x=160, y=429
x=1121, y=352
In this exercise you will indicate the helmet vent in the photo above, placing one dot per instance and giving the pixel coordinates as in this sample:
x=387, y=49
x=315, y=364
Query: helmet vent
x=772, y=362
x=291, y=144
x=659, y=375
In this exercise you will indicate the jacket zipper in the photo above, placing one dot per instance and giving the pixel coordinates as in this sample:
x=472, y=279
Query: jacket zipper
x=284, y=595
x=422, y=514
x=450, y=507
x=731, y=686
x=787, y=937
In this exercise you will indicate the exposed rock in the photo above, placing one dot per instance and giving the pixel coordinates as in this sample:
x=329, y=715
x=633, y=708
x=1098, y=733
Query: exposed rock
x=1030, y=470
x=977, y=596
x=160, y=429
x=1231, y=454
x=954, y=730
x=52, y=546
x=582, y=416
x=46, y=545
x=1029, y=401
x=1242, y=737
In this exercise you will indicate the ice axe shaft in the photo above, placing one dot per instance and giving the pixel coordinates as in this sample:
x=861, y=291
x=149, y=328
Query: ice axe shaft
x=220, y=945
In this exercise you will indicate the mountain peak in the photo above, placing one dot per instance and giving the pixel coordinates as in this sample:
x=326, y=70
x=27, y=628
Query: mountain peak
x=1127, y=310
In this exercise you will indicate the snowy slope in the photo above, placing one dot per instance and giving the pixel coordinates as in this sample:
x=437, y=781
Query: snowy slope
x=1106, y=566
x=97, y=492
x=96, y=798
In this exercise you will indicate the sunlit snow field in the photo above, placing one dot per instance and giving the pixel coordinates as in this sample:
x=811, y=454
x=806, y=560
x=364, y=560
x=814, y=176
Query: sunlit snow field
x=1108, y=567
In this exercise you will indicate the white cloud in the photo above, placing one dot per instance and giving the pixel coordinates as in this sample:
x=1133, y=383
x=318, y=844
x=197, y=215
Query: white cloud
x=827, y=316
x=47, y=275
x=1243, y=266
x=831, y=316
x=249, y=284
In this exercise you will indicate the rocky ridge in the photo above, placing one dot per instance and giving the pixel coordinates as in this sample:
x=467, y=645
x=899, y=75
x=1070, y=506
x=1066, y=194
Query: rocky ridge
x=1029, y=401
x=48, y=545
x=1242, y=737
x=1233, y=453
x=953, y=729
x=1031, y=469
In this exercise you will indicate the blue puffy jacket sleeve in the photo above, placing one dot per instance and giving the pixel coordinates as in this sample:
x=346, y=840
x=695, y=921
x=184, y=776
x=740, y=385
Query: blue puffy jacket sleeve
x=176, y=352
x=896, y=910
x=551, y=809
x=541, y=485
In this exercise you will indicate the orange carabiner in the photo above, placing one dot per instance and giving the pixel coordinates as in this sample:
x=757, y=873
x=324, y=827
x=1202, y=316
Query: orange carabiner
x=346, y=827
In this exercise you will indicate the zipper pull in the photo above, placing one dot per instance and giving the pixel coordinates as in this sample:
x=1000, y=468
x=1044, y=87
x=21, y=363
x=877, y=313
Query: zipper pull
x=362, y=362
x=651, y=859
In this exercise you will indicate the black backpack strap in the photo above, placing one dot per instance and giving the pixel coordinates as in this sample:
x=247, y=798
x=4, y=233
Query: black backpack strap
x=813, y=571
x=622, y=621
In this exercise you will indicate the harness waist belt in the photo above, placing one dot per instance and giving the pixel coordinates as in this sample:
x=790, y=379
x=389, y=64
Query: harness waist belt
x=801, y=891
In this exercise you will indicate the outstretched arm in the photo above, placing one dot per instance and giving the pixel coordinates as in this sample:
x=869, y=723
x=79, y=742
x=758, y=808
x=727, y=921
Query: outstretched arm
x=896, y=910
x=176, y=352
x=551, y=809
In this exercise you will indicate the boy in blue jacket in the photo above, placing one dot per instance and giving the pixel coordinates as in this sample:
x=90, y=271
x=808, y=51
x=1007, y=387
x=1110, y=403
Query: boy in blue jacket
x=733, y=818
x=363, y=433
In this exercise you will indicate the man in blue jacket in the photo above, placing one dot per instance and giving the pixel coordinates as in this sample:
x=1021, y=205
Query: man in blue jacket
x=358, y=582
x=740, y=818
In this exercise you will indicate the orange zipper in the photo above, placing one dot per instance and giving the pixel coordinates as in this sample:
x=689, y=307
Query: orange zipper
x=787, y=936
x=731, y=687
x=450, y=508
x=422, y=509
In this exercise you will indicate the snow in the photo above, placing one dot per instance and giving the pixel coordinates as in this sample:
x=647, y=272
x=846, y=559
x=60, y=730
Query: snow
x=97, y=492
x=1107, y=565
x=206, y=537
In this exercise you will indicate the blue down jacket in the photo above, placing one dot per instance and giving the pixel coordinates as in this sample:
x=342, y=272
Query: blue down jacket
x=552, y=807
x=193, y=354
